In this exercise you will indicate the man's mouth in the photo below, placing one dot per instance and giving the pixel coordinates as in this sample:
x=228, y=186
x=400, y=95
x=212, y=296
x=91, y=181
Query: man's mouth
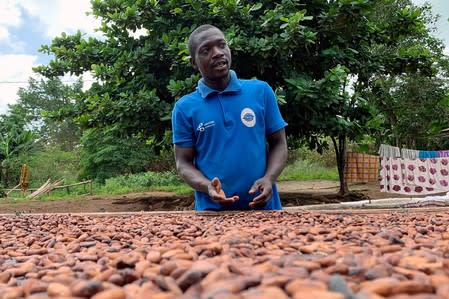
x=220, y=64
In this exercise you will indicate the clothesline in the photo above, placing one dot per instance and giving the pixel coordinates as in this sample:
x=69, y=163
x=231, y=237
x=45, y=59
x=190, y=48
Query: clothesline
x=396, y=152
x=413, y=172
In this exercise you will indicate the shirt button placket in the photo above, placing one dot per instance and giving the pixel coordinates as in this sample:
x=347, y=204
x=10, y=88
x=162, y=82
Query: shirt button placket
x=226, y=119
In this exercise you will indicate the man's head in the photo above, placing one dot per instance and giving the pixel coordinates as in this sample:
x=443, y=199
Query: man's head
x=210, y=55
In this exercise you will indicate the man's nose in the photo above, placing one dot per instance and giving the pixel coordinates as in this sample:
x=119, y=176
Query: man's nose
x=217, y=52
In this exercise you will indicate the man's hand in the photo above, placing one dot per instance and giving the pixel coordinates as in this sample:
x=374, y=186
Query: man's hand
x=217, y=194
x=265, y=186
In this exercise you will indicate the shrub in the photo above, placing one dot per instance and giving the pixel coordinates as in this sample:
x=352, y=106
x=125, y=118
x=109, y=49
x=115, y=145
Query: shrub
x=141, y=181
x=302, y=170
x=105, y=155
x=2, y=191
x=52, y=163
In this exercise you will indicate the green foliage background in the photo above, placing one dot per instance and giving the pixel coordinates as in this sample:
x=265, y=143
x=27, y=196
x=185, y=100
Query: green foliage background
x=343, y=70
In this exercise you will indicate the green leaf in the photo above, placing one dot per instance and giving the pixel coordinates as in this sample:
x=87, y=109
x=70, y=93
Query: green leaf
x=256, y=7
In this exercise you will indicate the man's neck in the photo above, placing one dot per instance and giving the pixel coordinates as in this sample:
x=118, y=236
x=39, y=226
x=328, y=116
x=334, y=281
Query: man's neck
x=219, y=84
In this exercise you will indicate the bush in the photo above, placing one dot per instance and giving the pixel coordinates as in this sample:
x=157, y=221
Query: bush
x=142, y=181
x=2, y=191
x=306, y=164
x=105, y=155
x=326, y=159
x=52, y=163
x=302, y=170
x=164, y=162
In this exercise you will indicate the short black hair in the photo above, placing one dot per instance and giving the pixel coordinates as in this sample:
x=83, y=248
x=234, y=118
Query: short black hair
x=192, y=38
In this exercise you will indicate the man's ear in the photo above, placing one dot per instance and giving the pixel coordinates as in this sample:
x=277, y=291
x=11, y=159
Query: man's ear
x=193, y=63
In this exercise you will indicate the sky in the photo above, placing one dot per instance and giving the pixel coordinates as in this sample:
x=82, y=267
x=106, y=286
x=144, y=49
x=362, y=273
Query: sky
x=25, y=25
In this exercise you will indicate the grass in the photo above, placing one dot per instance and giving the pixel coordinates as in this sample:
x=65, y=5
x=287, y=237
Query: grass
x=301, y=170
x=57, y=194
x=147, y=181
x=306, y=166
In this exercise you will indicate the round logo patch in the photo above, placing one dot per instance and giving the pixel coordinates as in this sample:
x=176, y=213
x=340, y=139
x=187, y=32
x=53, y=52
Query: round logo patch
x=248, y=117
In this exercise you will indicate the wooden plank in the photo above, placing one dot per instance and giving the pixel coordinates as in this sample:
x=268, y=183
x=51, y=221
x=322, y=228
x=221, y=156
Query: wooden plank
x=75, y=184
x=15, y=188
x=40, y=190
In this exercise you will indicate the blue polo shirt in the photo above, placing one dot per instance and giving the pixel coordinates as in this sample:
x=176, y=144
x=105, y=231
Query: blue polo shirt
x=228, y=131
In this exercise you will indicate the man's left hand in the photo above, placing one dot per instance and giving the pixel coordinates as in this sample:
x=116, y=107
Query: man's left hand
x=265, y=187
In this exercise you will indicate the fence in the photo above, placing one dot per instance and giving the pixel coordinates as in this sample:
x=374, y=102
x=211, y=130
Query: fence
x=55, y=187
x=361, y=168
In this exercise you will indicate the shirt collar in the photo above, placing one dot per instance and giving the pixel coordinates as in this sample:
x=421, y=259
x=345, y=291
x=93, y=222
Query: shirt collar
x=234, y=85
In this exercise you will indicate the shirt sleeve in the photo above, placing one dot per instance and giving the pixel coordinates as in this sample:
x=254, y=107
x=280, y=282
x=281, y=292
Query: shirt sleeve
x=183, y=133
x=273, y=118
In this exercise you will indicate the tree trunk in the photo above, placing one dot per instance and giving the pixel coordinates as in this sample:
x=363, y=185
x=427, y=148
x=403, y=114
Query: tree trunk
x=393, y=123
x=340, y=153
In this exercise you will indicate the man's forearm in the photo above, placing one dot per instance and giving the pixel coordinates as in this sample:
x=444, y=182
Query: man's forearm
x=277, y=157
x=193, y=177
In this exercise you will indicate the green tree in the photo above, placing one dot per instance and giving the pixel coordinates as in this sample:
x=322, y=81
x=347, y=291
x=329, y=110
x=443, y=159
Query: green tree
x=411, y=108
x=311, y=52
x=15, y=140
x=349, y=32
x=413, y=111
x=105, y=155
x=42, y=102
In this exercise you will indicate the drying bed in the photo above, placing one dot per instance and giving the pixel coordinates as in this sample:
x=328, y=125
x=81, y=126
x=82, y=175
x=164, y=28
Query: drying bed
x=401, y=254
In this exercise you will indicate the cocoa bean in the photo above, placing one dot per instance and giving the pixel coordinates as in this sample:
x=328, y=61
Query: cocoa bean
x=380, y=286
x=85, y=288
x=412, y=287
x=154, y=257
x=302, y=285
x=55, y=289
x=31, y=286
x=5, y=276
x=12, y=293
x=115, y=293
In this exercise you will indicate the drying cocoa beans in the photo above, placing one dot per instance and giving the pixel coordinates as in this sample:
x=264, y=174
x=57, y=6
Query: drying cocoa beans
x=243, y=255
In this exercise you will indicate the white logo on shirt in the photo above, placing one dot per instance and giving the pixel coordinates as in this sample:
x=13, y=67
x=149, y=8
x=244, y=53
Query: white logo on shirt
x=248, y=117
x=203, y=126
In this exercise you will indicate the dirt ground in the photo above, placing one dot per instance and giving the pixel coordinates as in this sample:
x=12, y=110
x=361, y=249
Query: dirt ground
x=293, y=193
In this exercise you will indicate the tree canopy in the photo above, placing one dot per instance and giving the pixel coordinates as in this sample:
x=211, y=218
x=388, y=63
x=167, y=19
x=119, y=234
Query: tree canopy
x=15, y=140
x=42, y=101
x=320, y=57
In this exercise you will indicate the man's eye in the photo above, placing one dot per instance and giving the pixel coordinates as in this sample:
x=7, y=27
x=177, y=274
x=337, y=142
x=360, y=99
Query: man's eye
x=204, y=51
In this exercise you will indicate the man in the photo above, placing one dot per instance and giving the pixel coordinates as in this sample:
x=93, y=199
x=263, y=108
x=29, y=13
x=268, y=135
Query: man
x=221, y=131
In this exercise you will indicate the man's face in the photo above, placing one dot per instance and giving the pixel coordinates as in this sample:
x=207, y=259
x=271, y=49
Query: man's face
x=212, y=56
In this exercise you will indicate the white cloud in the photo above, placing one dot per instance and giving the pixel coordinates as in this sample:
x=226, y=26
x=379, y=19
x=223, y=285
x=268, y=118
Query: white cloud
x=9, y=13
x=9, y=16
x=86, y=77
x=55, y=16
x=13, y=69
x=138, y=33
x=62, y=15
x=4, y=33
x=441, y=8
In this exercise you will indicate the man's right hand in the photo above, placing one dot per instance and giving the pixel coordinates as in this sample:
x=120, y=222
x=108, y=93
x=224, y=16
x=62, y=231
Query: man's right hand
x=217, y=194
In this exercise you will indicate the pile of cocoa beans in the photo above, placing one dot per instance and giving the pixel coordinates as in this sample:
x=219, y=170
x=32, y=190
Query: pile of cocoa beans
x=246, y=255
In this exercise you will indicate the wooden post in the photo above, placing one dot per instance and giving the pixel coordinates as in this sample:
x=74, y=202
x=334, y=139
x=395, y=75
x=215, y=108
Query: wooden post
x=24, y=179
